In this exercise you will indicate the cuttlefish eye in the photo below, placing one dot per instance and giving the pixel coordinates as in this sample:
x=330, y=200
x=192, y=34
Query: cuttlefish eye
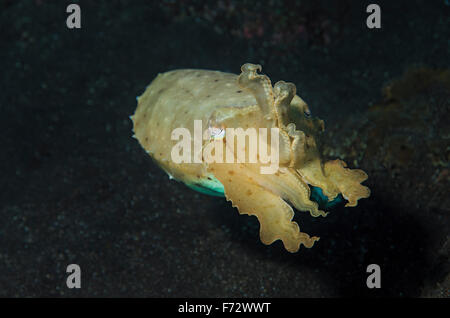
x=307, y=113
x=306, y=110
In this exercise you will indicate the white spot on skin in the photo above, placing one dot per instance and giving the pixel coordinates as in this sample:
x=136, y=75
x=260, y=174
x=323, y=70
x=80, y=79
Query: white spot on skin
x=216, y=132
x=170, y=176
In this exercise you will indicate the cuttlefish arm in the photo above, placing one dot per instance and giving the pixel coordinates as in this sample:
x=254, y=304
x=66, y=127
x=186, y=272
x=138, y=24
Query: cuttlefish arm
x=266, y=196
x=259, y=85
x=273, y=213
x=333, y=177
x=348, y=181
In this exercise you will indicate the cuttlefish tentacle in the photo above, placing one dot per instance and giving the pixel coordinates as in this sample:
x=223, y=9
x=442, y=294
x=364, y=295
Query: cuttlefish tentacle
x=298, y=152
x=273, y=213
x=261, y=88
x=285, y=148
x=259, y=85
x=284, y=94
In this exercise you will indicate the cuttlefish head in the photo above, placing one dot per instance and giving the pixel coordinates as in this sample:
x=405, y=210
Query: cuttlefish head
x=302, y=180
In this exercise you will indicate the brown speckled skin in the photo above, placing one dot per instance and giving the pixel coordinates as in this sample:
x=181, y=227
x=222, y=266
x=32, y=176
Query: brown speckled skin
x=174, y=100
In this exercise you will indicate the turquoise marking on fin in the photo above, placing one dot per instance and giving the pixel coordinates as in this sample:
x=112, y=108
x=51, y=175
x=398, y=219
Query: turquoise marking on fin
x=318, y=196
x=217, y=192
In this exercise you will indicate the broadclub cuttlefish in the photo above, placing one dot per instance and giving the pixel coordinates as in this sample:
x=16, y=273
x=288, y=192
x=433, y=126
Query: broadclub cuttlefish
x=218, y=101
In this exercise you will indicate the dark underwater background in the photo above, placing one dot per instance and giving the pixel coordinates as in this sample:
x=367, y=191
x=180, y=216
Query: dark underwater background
x=76, y=188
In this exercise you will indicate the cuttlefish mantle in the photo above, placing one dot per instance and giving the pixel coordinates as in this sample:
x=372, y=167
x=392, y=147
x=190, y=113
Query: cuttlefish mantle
x=177, y=99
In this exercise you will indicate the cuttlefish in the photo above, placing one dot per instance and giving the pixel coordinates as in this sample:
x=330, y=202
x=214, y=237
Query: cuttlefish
x=216, y=101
